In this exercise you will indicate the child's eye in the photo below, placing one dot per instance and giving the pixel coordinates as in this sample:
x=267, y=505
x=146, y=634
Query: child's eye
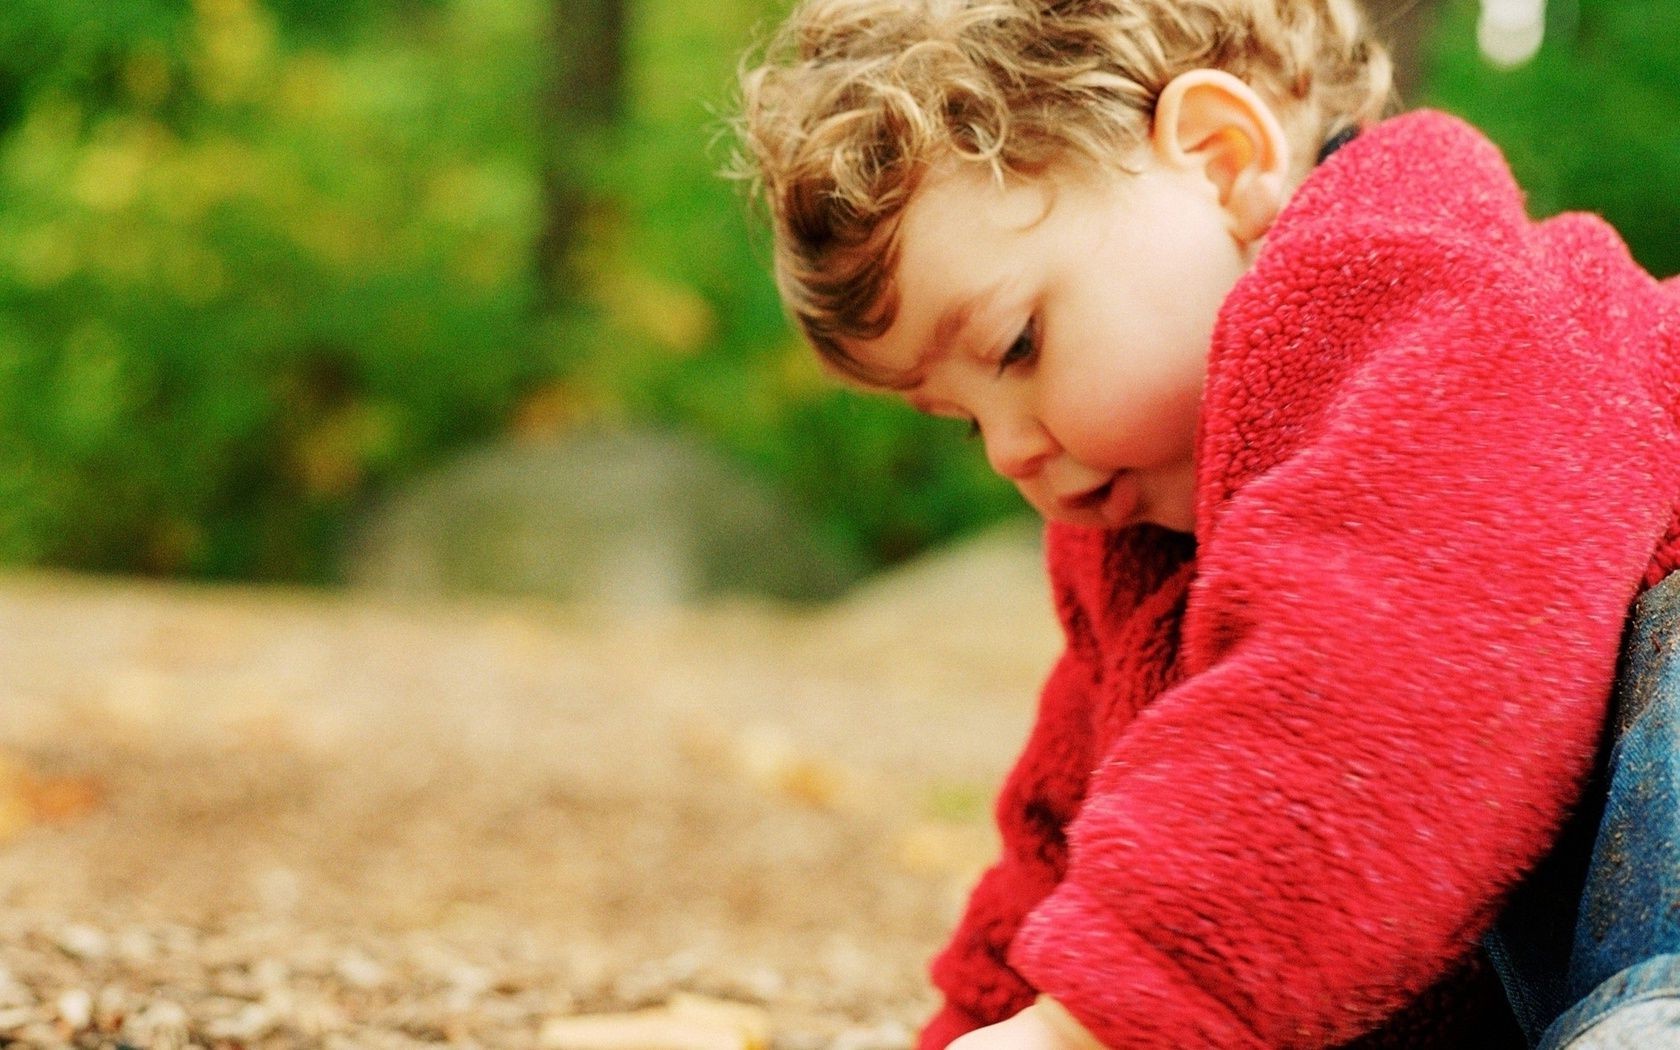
x=1021, y=350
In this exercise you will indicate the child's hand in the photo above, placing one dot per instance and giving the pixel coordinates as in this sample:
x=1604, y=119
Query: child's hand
x=1041, y=1026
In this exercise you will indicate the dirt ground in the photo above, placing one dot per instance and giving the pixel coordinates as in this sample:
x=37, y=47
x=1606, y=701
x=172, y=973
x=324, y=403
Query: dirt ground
x=241, y=818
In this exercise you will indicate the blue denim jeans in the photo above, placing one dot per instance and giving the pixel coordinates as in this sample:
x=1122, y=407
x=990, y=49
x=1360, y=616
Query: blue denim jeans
x=1588, y=948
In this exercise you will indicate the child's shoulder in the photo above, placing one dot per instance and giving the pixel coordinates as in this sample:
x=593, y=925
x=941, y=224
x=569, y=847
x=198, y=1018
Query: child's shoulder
x=1424, y=172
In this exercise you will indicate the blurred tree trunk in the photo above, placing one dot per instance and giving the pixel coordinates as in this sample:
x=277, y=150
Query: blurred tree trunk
x=581, y=104
x=1405, y=25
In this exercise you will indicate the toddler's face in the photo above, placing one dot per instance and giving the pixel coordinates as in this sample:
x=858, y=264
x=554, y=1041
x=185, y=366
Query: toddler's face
x=1068, y=319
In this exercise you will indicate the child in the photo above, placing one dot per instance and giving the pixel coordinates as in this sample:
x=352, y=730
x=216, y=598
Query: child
x=1352, y=475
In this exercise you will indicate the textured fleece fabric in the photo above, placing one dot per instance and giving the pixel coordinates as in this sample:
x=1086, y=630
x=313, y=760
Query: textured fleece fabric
x=1283, y=775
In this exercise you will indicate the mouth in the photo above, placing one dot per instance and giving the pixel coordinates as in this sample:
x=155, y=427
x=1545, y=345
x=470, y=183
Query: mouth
x=1090, y=499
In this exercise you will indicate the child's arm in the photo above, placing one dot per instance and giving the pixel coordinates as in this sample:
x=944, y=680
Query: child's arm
x=1398, y=649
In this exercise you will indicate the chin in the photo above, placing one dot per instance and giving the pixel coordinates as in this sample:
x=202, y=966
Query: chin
x=1174, y=508
x=1175, y=518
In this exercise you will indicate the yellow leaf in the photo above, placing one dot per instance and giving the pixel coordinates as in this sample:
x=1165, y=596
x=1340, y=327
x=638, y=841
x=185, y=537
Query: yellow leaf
x=28, y=798
x=14, y=813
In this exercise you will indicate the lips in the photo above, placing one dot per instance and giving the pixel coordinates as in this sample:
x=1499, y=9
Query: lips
x=1090, y=499
x=1114, y=503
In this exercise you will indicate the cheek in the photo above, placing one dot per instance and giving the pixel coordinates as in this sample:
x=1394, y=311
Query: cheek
x=1130, y=409
x=1099, y=412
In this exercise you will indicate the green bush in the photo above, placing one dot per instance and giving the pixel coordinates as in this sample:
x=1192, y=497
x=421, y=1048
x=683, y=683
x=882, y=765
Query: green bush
x=242, y=279
x=262, y=260
x=1590, y=124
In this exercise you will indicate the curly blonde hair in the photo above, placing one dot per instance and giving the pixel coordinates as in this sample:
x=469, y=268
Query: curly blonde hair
x=854, y=100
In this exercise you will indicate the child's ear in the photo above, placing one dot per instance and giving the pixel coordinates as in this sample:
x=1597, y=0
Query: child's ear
x=1210, y=121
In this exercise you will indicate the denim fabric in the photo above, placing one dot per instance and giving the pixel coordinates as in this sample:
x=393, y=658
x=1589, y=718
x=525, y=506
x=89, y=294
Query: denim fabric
x=1636, y=1009
x=1588, y=948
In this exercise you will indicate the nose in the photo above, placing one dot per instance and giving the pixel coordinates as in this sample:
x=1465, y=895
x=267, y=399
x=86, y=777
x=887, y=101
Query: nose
x=1016, y=447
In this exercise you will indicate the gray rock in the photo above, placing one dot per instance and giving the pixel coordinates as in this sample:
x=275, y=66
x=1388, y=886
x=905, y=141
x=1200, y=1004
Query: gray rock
x=625, y=520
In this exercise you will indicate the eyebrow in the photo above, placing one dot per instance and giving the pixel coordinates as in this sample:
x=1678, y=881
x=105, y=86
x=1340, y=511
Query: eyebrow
x=951, y=324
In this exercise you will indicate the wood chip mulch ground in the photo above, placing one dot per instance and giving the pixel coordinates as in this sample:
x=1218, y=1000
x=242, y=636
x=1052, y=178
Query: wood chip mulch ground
x=257, y=819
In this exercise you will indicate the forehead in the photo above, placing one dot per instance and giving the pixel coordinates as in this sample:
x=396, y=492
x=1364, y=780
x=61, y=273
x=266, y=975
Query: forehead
x=958, y=214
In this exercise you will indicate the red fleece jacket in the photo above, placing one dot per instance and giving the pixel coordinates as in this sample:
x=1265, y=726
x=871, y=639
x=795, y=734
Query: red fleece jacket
x=1283, y=776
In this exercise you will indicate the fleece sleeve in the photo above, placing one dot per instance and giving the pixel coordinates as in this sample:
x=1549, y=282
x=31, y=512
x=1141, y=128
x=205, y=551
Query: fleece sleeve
x=1084, y=695
x=1397, y=654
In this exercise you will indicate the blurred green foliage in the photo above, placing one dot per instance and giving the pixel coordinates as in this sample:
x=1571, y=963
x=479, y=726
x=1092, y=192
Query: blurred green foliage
x=244, y=277
x=1592, y=123
x=261, y=260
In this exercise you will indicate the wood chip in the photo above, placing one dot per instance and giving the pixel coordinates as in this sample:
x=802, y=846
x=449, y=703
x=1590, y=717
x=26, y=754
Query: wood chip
x=687, y=1022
